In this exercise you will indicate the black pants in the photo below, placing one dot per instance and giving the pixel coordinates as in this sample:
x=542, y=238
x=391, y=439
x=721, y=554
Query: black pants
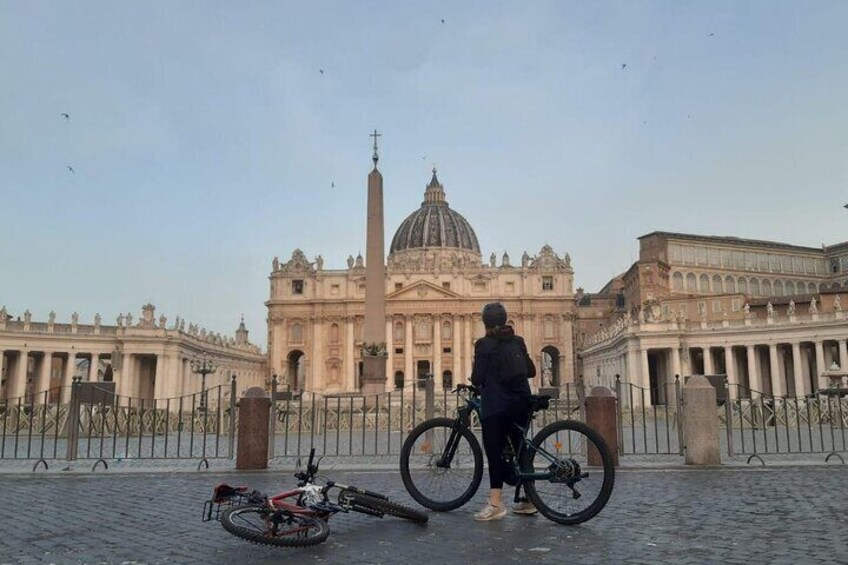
x=495, y=431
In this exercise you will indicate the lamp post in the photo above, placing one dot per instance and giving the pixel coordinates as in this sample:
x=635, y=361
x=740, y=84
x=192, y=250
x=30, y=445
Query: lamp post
x=203, y=366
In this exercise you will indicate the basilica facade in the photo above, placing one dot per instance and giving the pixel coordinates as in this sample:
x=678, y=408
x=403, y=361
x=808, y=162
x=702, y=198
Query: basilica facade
x=436, y=283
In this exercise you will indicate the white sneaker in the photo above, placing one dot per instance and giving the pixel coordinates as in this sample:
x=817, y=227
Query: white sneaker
x=489, y=513
x=524, y=508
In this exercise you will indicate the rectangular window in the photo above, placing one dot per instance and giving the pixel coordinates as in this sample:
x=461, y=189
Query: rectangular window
x=398, y=286
x=361, y=287
x=725, y=258
x=446, y=285
x=716, y=306
x=715, y=257
x=446, y=350
x=399, y=350
x=297, y=286
x=763, y=261
x=334, y=289
x=479, y=286
x=675, y=253
x=547, y=283
x=689, y=255
x=736, y=304
x=702, y=255
x=510, y=287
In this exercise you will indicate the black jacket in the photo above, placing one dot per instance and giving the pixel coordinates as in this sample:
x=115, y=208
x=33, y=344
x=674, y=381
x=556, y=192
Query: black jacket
x=498, y=400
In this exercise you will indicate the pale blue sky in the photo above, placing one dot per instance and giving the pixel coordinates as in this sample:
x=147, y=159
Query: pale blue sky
x=205, y=140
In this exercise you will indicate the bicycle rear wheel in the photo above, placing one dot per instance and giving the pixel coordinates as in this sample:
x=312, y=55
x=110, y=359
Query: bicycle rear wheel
x=258, y=524
x=581, y=468
x=432, y=481
x=358, y=502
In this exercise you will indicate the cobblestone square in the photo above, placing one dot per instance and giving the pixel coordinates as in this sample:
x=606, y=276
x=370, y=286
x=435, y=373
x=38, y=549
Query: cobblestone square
x=752, y=515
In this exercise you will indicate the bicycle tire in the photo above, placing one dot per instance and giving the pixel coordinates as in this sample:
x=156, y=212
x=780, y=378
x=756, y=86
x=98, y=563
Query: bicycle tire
x=385, y=506
x=406, y=473
x=228, y=521
x=607, y=467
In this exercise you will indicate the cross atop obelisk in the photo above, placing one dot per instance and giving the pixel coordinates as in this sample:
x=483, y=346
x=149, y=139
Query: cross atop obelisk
x=374, y=353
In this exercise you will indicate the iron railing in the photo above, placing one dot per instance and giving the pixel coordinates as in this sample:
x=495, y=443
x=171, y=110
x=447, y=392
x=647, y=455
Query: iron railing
x=646, y=428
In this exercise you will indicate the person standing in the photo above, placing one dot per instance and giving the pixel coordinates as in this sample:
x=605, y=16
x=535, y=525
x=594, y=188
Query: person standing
x=501, y=369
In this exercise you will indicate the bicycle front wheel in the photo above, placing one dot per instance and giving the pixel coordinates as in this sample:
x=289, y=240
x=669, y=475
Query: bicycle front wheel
x=433, y=478
x=581, y=470
x=258, y=524
x=369, y=504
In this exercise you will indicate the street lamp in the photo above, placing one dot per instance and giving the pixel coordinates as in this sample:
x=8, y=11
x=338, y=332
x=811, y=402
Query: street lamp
x=203, y=366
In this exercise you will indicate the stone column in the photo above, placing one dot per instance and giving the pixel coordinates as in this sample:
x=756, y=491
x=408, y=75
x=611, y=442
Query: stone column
x=469, y=345
x=16, y=384
x=843, y=355
x=316, y=380
x=778, y=386
x=645, y=376
x=408, y=346
x=753, y=372
x=820, y=367
x=67, y=376
x=675, y=363
x=349, y=363
x=730, y=370
x=3, y=366
x=708, y=361
x=437, y=353
x=456, y=350
x=92, y=367
x=160, y=379
x=797, y=371
x=42, y=380
x=390, y=348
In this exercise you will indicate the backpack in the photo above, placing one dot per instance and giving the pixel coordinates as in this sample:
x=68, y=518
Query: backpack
x=513, y=363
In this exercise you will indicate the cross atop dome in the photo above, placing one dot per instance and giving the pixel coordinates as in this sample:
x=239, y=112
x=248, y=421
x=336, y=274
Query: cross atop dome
x=435, y=193
x=435, y=180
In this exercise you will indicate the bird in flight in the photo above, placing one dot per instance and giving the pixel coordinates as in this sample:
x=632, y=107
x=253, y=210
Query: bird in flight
x=70, y=168
x=443, y=20
x=332, y=185
x=623, y=66
x=711, y=34
x=66, y=116
x=321, y=71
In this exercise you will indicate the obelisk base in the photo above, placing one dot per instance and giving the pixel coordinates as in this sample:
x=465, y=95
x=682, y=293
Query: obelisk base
x=373, y=374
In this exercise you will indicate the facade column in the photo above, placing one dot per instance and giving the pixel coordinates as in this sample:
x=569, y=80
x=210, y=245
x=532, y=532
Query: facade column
x=456, y=349
x=16, y=384
x=798, y=373
x=390, y=350
x=408, y=345
x=92, y=367
x=2, y=369
x=42, y=382
x=820, y=368
x=67, y=376
x=730, y=371
x=675, y=363
x=843, y=355
x=437, y=353
x=349, y=363
x=778, y=386
x=469, y=346
x=316, y=378
x=160, y=379
x=754, y=382
x=645, y=376
x=708, y=361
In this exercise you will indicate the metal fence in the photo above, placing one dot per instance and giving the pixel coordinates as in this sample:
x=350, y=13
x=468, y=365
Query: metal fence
x=645, y=428
x=96, y=424
x=756, y=424
x=377, y=424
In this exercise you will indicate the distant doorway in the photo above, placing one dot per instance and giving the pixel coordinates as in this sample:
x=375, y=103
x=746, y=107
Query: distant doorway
x=422, y=370
x=550, y=366
x=296, y=370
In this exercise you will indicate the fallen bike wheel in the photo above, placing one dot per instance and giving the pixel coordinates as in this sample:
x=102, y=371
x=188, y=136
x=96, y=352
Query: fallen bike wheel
x=258, y=524
x=378, y=506
x=582, y=472
x=433, y=482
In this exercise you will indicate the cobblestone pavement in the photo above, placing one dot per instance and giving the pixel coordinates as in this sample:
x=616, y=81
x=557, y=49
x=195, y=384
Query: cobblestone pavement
x=732, y=515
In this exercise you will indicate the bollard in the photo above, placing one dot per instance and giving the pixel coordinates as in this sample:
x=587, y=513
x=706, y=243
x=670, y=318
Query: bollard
x=601, y=417
x=254, y=417
x=700, y=422
x=429, y=406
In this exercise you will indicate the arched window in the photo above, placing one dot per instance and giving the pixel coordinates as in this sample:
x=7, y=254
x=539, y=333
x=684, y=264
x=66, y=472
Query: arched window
x=447, y=330
x=730, y=284
x=691, y=282
x=778, y=288
x=334, y=333
x=399, y=332
x=717, y=284
x=677, y=281
x=742, y=285
x=790, y=288
x=447, y=380
x=766, y=288
x=704, y=285
x=297, y=332
x=755, y=287
x=811, y=288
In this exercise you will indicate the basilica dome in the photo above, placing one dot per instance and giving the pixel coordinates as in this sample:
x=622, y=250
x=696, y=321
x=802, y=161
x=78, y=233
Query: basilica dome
x=435, y=225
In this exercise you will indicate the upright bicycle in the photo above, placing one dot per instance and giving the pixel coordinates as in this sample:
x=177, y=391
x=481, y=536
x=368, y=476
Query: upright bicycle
x=566, y=469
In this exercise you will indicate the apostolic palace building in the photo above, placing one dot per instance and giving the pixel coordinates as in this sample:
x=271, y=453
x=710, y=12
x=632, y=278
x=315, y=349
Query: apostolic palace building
x=767, y=315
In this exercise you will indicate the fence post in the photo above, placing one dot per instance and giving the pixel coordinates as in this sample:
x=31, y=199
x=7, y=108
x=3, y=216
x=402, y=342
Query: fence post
x=232, y=442
x=254, y=413
x=581, y=396
x=73, y=419
x=272, y=423
x=700, y=422
x=429, y=404
x=601, y=417
x=679, y=398
x=618, y=414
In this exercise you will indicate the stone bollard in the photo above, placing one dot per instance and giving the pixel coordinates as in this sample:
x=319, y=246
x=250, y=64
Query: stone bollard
x=700, y=422
x=601, y=417
x=254, y=416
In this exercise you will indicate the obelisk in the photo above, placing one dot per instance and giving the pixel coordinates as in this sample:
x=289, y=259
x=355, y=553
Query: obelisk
x=374, y=352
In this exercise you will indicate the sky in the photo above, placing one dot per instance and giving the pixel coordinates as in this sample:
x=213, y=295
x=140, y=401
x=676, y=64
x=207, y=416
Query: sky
x=205, y=139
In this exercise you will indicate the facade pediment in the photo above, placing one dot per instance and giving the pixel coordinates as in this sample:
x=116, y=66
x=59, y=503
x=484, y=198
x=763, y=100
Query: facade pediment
x=421, y=290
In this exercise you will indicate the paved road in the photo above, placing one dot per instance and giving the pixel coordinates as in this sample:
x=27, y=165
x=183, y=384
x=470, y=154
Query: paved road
x=772, y=515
